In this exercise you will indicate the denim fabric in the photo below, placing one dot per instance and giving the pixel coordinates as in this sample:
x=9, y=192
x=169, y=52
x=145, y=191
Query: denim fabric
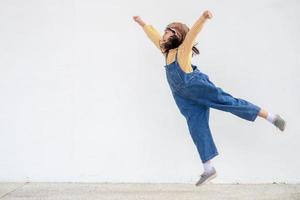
x=194, y=95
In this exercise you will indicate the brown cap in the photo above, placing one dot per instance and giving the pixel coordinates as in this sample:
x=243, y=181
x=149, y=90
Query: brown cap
x=180, y=28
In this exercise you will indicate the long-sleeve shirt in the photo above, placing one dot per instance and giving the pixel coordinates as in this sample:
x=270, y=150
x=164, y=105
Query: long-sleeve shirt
x=184, y=50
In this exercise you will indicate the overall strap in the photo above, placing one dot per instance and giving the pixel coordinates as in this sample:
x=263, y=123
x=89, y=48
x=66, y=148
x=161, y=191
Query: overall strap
x=166, y=57
x=175, y=56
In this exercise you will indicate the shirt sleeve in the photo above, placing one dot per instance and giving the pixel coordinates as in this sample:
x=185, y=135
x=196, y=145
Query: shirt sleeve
x=153, y=35
x=185, y=51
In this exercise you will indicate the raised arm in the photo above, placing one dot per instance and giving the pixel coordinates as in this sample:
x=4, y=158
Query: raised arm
x=185, y=49
x=150, y=31
x=191, y=36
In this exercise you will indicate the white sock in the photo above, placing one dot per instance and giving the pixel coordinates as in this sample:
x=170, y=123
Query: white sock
x=271, y=117
x=207, y=166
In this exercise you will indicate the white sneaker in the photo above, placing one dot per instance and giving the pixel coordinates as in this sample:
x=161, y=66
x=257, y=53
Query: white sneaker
x=205, y=177
x=279, y=122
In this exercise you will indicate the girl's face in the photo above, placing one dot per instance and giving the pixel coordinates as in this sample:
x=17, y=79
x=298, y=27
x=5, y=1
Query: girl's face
x=167, y=34
x=169, y=40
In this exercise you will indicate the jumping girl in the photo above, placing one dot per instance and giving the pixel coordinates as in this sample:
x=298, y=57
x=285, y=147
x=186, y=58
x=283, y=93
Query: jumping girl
x=194, y=93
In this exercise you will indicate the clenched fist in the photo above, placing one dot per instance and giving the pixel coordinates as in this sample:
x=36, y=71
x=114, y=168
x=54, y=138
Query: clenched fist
x=207, y=14
x=139, y=20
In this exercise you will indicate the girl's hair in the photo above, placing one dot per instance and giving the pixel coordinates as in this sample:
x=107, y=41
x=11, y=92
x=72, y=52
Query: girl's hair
x=179, y=32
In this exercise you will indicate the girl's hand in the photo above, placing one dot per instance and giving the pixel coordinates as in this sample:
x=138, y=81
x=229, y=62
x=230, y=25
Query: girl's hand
x=139, y=20
x=207, y=14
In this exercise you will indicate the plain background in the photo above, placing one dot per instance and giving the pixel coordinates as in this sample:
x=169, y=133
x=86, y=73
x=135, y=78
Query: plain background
x=84, y=95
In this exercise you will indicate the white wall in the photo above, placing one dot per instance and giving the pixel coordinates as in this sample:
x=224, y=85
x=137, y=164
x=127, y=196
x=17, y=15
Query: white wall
x=84, y=95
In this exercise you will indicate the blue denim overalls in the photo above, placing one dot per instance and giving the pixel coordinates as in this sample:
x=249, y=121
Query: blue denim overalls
x=194, y=94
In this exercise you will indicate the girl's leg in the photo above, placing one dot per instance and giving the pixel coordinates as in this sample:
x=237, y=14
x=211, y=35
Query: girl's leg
x=208, y=166
x=263, y=113
x=203, y=91
x=206, y=93
x=274, y=119
x=197, y=117
x=198, y=124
